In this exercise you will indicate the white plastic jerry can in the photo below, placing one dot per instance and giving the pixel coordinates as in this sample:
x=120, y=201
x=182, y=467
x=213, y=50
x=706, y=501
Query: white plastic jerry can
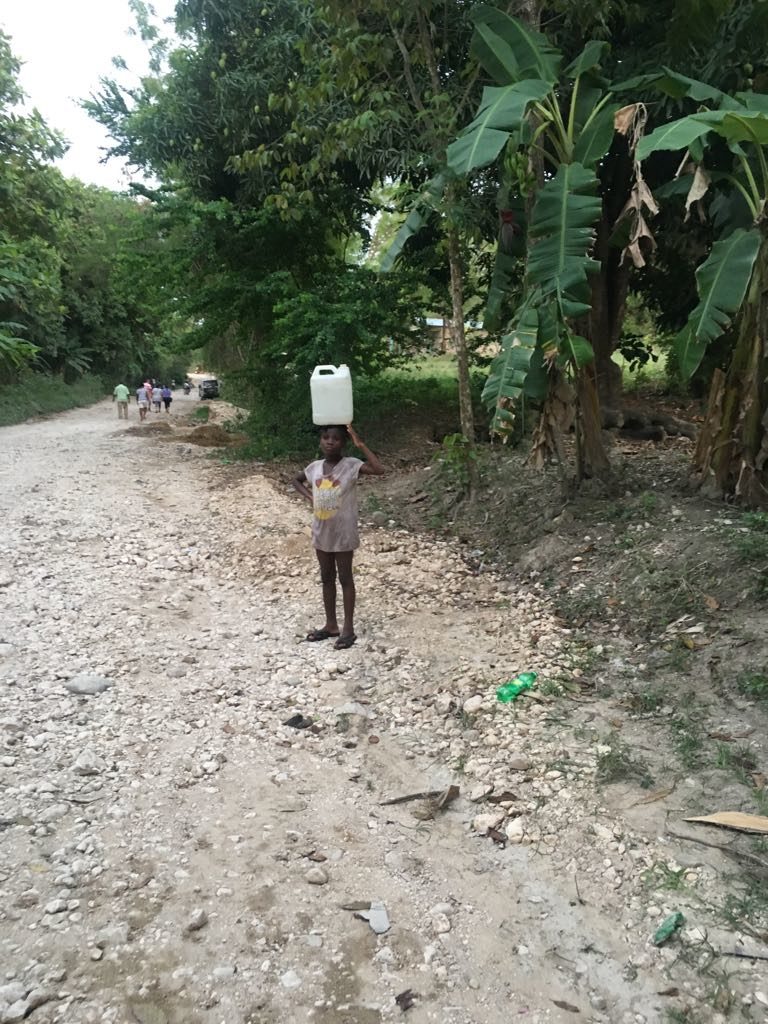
x=331, y=390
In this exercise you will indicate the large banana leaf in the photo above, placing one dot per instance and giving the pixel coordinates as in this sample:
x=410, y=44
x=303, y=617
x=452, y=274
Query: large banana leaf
x=673, y=84
x=502, y=111
x=578, y=350
x=753, y=100
x=547, y=346
x=510, y=50
x=735, y=126
x=596, y=137
x=506, y=382
x=675, y=135
x=591, y=90
x=505, y=269
x=505, y=106
x=588, y=59
x=721, y=282
x=562, y=232
x=420, y=213
x=476, y=150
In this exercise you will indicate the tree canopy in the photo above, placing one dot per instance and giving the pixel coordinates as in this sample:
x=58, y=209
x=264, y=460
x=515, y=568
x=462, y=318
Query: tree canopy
x=78, y=291
x=287, y=138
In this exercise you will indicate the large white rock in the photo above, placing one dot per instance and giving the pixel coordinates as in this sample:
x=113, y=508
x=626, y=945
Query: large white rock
x=515, y=830
x=482, y=822
x=87, y=685
x=89, y=763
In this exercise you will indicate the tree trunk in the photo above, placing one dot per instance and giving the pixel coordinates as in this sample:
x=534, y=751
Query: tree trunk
x=591, y=456
x=731, y=458
x=466, y=413
x=529, y=11
x=610, y=285
x=609, y=299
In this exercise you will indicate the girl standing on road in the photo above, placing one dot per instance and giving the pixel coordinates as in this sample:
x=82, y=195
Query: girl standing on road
x=330, y=484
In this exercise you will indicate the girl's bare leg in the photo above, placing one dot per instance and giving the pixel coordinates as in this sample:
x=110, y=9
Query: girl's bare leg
x=327, y=560
x=347, y=581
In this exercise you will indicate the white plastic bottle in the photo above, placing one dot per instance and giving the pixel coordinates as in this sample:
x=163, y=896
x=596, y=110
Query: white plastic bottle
x=331, y=390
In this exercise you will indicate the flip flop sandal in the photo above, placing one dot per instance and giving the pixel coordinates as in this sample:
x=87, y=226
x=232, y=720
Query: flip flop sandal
x=320, y=634
x=345, y=642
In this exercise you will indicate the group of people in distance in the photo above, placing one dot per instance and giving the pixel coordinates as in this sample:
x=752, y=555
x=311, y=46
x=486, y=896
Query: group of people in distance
x=150, y=394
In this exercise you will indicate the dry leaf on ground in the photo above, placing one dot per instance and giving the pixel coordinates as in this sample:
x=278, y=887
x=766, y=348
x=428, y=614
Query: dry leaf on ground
x=735, y=820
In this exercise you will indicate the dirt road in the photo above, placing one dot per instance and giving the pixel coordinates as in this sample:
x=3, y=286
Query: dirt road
x=171, y=851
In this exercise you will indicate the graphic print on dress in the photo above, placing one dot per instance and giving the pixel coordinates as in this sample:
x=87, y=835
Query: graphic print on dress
x=327, y=497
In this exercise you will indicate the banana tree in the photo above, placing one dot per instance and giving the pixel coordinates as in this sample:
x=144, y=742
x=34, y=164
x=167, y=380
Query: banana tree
x=731, y=458
x=548, y=129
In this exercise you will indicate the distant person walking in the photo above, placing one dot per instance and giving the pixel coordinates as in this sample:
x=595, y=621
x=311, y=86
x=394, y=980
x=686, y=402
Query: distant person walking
x=157, y=398
x=120, y=395
x=167, y=396
x=142, y=400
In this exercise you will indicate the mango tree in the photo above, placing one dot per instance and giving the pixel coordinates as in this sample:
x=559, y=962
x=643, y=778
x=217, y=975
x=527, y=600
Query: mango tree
x=731, y=458
x=549, y=129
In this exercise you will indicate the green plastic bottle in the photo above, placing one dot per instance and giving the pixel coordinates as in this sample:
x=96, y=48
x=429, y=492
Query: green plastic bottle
x=511, y=690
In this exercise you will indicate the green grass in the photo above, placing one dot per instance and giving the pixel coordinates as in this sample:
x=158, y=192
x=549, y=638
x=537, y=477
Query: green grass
x=427, y=366
x=426, y=391
x=754, y=685
x=201, y=414
x=620, y=764
x=739, y=759
x=746, y=909
x=38, y=394
x=662, y=876
x=688, y=739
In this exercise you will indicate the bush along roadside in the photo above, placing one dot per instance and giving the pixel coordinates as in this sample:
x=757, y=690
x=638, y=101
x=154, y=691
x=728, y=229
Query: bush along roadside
x=38, y=394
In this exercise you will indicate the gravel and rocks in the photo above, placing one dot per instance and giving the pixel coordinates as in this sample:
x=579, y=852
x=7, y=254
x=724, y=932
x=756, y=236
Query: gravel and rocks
x=158, y=820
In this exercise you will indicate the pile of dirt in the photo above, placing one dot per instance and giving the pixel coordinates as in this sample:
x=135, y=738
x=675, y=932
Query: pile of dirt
x=211, y=435
x=151, y=426
x=207, y=435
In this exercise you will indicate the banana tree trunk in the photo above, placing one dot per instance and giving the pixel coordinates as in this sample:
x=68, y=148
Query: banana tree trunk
x=610, y=284
x=609, y=300
x=466, y=414
x=731, y=458
x=529, y=11
x=591, y=457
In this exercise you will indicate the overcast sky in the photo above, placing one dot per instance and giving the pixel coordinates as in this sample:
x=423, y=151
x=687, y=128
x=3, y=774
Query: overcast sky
x=66, y=45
